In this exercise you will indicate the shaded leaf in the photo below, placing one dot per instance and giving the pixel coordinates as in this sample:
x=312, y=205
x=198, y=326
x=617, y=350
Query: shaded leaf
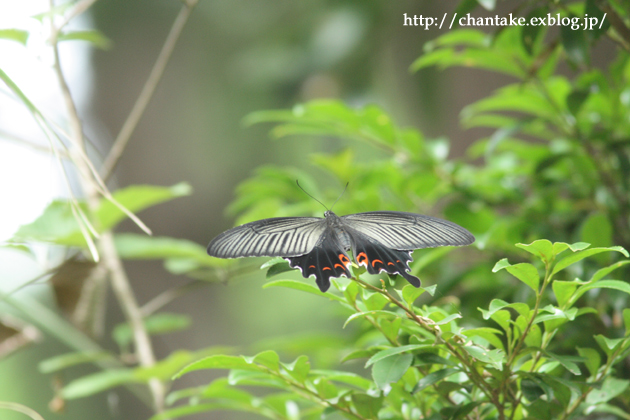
x=434, y=377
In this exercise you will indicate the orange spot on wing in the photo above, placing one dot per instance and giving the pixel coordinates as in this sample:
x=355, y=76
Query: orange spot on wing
x=362, y=258
x=326, y=268
x=397, y=260
x=375, y=261
x=311, y=266
x=390, y=263
x=340, y=266
x=344, y=260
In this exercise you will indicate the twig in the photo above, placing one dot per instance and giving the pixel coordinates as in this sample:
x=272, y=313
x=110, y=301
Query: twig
x=169, y=295
x=21, y=409
x=28, y=143
x=147, y=91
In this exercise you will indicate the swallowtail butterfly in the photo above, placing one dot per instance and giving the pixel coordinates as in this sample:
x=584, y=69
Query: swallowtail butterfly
x=379, y=240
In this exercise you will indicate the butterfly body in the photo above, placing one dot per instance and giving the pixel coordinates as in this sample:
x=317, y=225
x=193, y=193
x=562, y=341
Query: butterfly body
x=379, y=241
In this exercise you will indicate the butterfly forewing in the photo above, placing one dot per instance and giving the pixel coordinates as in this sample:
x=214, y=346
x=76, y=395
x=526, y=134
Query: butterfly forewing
x=408, y=231
x=276, y=237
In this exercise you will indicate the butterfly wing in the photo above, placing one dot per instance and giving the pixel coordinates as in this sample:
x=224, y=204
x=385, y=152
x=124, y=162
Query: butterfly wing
x=327, y=259
x=275, y=237
x=376, y=258
x=408, y=231
x=384, y=240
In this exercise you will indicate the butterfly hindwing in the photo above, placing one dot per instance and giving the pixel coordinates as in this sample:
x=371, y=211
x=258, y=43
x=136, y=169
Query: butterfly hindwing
x=376, y=258
x=326, y=260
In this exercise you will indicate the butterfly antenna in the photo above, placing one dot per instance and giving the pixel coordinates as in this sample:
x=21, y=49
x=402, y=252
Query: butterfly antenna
x=298, y=184
x=342, y=193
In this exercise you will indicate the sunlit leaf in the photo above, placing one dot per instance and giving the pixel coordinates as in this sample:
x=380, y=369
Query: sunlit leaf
x=391, y=369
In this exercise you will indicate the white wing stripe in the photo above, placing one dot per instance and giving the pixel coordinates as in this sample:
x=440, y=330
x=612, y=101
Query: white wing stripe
x=270, y=237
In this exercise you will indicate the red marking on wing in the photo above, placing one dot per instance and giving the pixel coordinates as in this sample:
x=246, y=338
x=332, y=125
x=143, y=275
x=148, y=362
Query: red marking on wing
x=362, y=258
x=390, y=263
x=340, y=266
x=375, y=261
x=311, y=266
x=326, y=268
x=344, y=260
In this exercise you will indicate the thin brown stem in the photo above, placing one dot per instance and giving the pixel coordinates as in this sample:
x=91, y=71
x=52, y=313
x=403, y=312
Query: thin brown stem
x=148, y=89
x=110, y=257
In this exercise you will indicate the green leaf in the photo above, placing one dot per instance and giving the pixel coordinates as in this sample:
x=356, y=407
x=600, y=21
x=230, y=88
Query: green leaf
x=67, y=360
x=541, y=248
x=391, y=369
x=136, y=198
x=167, y=367
x=366, y=405
x=575, y=44
x=94, y=37
x=221, y=389
x=142, y=247
x=411, y=293
x=597, y=230
x=564, y=290
x=434, y=377
x=494, y=357
x=603, y=272
x=299, y=368
x=609, y=390
x=609, y=345
x=396, y=350
x=488, y=334
x=497, y=304
x=17, y=35
x=97, y=382
x=622, y=286
x=532, y=390
x=303, y=287
x=218, y=361
x=580, y=255
x=160, y=323
x=267, y=358
x=357, y=354
x=276, y=266
x=188, y=410
x=374, y=301
x=566, y=361
x=344, y=377
x=369, y=313
x=611, y=409
x=58, y=225
x=526, y=273
x=592, y=360
x=446, y=319
x=626, y=321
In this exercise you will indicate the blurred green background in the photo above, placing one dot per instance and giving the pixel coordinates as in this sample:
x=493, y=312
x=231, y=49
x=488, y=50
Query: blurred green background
x=235, y=57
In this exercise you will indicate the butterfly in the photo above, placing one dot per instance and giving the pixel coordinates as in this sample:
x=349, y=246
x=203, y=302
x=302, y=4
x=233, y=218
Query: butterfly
x=380, y=241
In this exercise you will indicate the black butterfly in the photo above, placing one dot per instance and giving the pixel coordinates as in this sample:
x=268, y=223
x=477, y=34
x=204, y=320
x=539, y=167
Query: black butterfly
x=380, y=241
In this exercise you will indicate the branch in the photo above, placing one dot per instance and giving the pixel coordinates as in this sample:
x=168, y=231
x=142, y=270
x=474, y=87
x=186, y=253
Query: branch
x=147, y=91
x=111, y=259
